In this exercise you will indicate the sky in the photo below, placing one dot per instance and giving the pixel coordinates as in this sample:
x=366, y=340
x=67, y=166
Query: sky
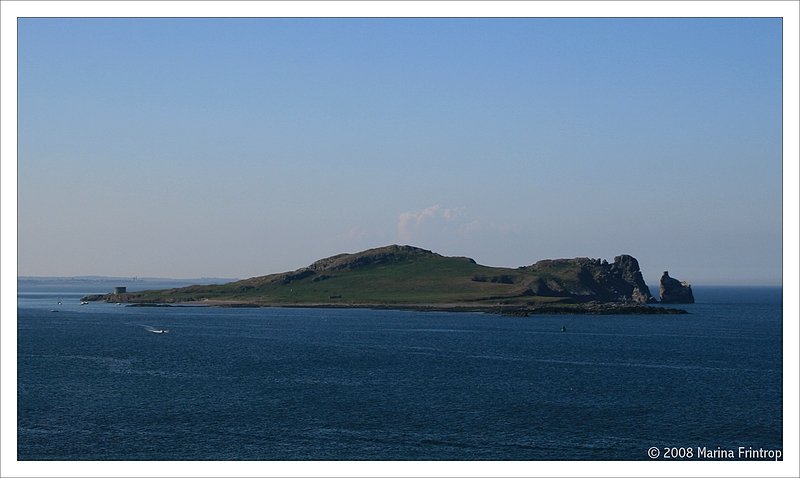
x=241, y=147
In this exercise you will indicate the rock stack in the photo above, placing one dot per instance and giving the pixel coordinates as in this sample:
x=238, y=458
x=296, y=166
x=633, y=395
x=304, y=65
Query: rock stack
x=673, y=291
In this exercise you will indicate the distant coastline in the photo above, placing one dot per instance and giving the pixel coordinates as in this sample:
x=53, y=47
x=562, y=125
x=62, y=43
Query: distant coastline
x=98, y=278
x=102, y=284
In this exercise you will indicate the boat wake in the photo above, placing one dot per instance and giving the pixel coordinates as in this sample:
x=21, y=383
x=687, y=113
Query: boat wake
x=154, y=330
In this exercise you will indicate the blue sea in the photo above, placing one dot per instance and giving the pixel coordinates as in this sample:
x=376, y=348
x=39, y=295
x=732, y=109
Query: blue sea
x=336, y=384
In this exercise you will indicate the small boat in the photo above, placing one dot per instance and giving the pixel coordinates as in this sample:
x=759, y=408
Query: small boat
x=158, y=331
x=84, y=302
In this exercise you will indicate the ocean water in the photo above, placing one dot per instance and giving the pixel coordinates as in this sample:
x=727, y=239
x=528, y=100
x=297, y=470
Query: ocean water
x=336, y=384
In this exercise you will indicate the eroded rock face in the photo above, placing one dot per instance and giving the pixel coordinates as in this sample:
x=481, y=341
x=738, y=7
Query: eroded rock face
x=627, y=269
x=673, y=291
x=592, y=279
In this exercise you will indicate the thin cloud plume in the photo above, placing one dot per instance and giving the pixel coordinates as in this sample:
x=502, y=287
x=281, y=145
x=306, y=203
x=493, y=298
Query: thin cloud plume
x=410, y=222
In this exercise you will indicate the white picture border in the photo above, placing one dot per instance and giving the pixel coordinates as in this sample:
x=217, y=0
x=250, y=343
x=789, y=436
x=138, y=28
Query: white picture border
x=10, y=11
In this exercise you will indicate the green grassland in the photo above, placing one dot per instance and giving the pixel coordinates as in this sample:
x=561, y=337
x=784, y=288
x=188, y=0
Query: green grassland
x=404, y=279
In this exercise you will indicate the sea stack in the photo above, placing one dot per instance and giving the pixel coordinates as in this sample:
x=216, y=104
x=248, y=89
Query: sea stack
x=673, y=291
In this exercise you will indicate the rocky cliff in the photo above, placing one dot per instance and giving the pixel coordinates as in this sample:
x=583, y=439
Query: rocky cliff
x=673, y=291
x=592, y=279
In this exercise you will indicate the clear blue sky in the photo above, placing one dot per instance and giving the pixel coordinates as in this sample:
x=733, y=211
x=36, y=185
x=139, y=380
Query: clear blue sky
x=241, y=147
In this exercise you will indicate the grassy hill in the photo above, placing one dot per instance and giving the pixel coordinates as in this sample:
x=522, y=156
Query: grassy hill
x=409, y=276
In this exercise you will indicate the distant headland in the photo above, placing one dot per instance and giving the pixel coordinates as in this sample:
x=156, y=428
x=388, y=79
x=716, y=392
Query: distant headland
x=407, y=277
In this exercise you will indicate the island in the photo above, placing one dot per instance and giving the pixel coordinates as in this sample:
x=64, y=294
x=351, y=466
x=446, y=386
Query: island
x=407, y=277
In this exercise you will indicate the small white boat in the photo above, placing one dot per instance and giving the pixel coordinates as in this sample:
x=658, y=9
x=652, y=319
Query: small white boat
x=158, y=331
x=84, y=302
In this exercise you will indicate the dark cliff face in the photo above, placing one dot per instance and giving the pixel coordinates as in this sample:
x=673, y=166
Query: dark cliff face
x=592, y=279
x=620, y=281
x=673, y=291
x=626, y=268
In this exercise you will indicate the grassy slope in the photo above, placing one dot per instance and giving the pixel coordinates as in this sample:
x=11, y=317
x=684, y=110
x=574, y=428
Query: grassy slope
x=431, y=279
